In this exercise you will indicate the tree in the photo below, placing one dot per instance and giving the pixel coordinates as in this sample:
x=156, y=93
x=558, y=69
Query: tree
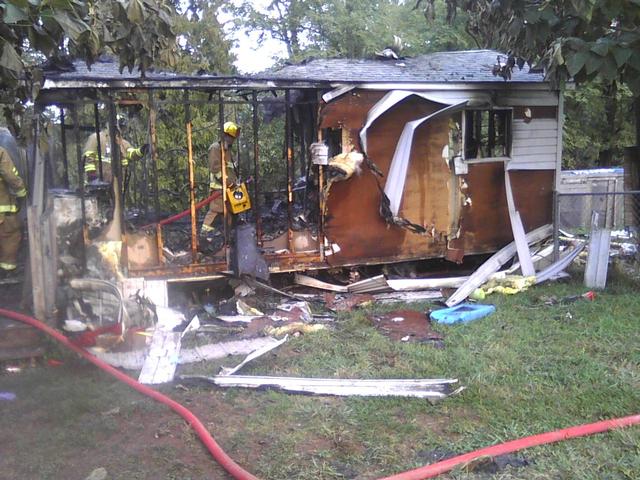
x=348, y=28
x=579, y=39
x=583, y=40
x=201, y=40
x=598, y=125
x=283, y=20
x=138, y=32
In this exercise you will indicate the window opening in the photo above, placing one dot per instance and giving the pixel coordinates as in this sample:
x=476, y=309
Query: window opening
x=333, y=139
x=487, y=134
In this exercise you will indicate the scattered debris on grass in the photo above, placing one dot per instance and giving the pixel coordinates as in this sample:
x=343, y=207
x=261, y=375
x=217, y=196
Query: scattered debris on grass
x=142, y=335
x=98, y=474
x=161, y=360
x=294, y=328
x=8, y=396
x=293, y=311
x=553, y=300
x=407, y=297
x=346, y=303
x=462, y=313
x=408, y=326
x=134, y=360
x=257, y=353
x=556, y=269
x=244, y=309
x=367, y=285
x=430, y=389
x=493, y=264
x=508, y=285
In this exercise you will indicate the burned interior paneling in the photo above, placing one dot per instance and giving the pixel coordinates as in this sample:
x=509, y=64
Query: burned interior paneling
x=428, y=195
x=355, y=203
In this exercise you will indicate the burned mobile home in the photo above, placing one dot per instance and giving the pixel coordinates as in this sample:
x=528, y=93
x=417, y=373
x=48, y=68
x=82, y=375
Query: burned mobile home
x=346, y=162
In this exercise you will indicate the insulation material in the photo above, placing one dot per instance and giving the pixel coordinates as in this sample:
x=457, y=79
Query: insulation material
x=396, y=179
x=345, y=165
x=493, y=264
x=342, y=167
x=103, y=260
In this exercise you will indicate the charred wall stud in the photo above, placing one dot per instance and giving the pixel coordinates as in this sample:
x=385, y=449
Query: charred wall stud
x=321, y=206
x=192, y=181
x=153, y=149
x=290, y=166
x=223, y=165
x=96, y=116
x=256, y=167
x=81, y=189
x=65, y=155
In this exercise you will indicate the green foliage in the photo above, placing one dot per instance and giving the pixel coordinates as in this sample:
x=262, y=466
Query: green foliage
x=138, y=32
x=584, y=40
x=592, y=135
x=201, y=40
x=173, y=172
x=356, y=28
x=579, y=39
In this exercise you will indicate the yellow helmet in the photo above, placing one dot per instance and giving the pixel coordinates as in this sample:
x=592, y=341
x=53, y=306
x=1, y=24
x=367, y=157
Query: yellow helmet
x=231, y=129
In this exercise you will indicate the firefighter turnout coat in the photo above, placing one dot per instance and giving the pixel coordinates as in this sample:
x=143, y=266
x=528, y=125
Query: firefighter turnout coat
x=11, y=189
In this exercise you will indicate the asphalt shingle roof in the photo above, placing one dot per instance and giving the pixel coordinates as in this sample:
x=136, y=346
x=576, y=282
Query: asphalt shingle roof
x=470, y=66
x=105, y=68
x=441, y=67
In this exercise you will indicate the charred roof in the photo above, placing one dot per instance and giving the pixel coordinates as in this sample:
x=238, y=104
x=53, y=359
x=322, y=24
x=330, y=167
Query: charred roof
x=441, y=67
x=462, y=67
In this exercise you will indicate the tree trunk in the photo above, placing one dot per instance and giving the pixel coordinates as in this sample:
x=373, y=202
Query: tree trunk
x=609, y=92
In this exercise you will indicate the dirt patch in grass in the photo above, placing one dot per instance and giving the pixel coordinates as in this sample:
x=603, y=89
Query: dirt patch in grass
x=66, y=433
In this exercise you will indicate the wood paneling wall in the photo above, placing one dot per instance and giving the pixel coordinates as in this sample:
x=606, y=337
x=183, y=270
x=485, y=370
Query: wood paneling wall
x=353, y=219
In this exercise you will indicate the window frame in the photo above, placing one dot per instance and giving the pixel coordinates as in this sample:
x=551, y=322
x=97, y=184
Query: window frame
x=508, y=134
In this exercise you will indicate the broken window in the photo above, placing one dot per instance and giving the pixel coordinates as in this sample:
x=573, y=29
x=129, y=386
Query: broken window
x=487, y=134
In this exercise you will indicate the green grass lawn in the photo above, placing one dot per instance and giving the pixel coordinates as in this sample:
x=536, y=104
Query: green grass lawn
x=528, y=368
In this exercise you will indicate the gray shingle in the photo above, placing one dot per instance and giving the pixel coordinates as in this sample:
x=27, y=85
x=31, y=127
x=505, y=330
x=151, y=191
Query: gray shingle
x=105, y=68
x=442, y=67
x=461, y=66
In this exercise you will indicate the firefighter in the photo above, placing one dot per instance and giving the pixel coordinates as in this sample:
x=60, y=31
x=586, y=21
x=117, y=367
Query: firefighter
x=214, y=215
x=127, y=153
x=12, y=189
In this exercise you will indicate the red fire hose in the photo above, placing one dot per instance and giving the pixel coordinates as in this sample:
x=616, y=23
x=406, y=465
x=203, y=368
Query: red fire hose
x=237, y=472
x=430, y=471
x=186, y=212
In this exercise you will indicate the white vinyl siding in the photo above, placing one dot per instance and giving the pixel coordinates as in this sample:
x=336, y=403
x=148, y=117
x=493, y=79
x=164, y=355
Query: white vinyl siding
x=528, y=98
x=534, y=145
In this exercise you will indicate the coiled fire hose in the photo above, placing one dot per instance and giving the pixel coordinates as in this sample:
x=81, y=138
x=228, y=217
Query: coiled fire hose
x=237, y=472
